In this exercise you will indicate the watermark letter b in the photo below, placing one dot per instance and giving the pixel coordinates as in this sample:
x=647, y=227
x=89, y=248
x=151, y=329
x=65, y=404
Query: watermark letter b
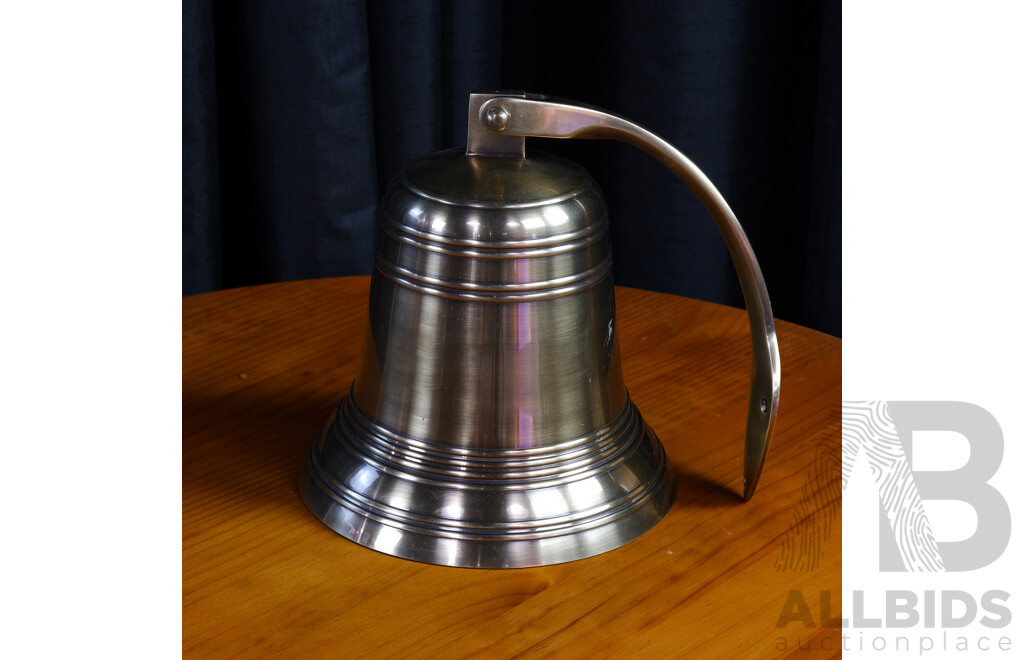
x=967, y=484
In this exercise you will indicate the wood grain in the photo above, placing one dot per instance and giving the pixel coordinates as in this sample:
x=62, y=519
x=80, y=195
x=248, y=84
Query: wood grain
x=263, y=368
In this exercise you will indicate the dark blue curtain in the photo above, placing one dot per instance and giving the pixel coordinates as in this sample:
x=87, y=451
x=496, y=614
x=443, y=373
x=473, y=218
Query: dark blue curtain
x=296, y=115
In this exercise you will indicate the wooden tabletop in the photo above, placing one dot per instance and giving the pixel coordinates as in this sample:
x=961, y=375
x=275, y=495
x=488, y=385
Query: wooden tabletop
x=263, y=369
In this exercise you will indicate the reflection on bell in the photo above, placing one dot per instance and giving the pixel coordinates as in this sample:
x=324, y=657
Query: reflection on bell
x=489, y=425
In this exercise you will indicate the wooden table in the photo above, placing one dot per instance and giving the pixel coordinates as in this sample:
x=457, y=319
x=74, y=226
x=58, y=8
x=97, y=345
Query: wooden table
x=263, y=368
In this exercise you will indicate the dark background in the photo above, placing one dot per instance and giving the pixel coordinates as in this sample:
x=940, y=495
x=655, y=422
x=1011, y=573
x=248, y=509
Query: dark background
x=297, y=114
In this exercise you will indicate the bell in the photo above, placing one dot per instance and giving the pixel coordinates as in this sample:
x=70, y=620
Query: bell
x=489, y=424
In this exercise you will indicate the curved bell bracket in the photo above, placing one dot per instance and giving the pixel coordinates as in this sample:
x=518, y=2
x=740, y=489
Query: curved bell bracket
x=498, y=123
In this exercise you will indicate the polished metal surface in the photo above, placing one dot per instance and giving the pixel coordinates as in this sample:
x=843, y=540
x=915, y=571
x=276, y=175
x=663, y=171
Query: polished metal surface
x=537, y=116
x=481, y=140
x=503, y=508
x=489, y=425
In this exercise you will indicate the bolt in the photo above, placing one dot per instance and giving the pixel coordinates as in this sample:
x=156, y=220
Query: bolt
x=497, y=119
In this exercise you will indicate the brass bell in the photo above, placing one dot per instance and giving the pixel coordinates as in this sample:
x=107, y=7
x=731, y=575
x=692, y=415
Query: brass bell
x=489, y=425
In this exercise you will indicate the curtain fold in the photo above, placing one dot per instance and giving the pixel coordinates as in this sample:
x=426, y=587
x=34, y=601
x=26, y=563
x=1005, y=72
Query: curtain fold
x=202, y=266
x=296, y=116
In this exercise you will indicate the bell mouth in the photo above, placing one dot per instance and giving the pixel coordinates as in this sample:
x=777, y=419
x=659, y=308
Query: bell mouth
x=487, y=509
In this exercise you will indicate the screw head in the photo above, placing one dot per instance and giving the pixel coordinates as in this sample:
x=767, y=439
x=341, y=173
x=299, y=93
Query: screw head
x=497, y=119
